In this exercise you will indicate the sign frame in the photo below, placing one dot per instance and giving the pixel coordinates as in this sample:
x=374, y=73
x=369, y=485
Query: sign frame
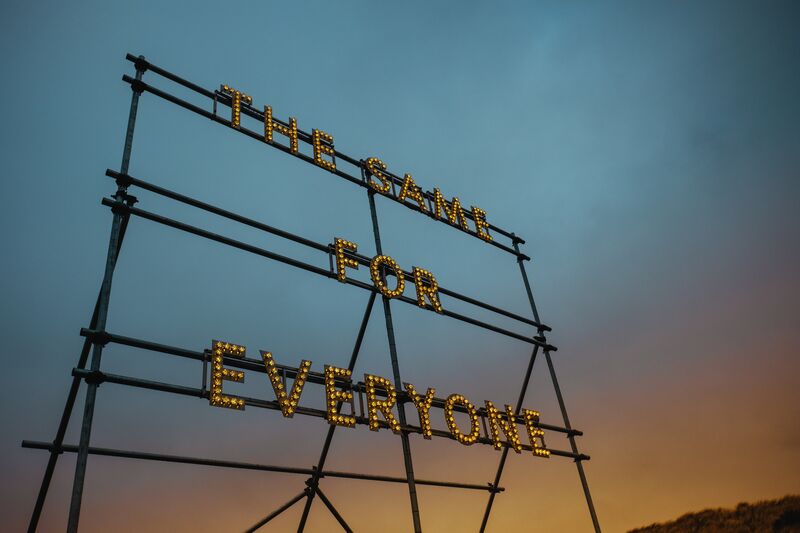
x=96, y=337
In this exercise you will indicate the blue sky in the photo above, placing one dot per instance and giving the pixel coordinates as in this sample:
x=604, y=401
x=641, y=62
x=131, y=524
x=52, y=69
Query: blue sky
x=648, y=153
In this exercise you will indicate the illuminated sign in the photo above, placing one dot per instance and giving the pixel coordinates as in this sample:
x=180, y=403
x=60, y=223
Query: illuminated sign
x=432, y=203
x=377, y=398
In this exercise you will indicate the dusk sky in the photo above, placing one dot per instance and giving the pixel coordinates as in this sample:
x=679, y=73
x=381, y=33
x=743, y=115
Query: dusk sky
x=649, y=154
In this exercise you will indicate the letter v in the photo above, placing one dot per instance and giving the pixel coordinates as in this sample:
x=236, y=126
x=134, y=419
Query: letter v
x=288, y=403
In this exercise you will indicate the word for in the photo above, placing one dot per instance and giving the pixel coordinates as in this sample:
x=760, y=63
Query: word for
x=338, y=386
x=424, y=281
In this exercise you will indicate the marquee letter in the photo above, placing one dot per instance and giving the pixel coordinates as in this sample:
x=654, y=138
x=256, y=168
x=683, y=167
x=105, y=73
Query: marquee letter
x=333, y=396
x=507, y=423
x=323, y=144
x=219, y=374
x=481, y=226
x=378, y=279
x=384, y=406
x=431, y=289
x=236, y=104
x=423, y=406
x=534, y=432
x=455, y=214
x=289, y=403
x=410, y=190
x=290, y=130
x=342, y=261
x=375, y=167
x=474, y=433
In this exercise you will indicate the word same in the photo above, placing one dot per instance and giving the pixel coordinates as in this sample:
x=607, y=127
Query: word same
x=288, y=401
x=375, y=171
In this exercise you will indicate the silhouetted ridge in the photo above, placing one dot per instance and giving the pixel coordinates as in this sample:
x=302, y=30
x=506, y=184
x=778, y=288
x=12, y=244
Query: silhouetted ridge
x=774, y=516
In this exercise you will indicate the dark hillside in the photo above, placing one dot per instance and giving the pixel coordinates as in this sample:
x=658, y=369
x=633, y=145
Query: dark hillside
x=775, y=516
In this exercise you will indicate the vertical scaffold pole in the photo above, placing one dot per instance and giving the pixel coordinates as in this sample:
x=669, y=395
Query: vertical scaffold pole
x=102, y=310
x=561, y=405
x=401, y=412
x=522, y=391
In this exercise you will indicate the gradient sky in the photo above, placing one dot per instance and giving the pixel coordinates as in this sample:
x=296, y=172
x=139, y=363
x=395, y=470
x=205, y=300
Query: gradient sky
x=648, y=152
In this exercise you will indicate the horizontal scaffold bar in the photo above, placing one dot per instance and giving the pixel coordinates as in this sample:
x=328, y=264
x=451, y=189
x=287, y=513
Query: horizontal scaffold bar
x=111, y=452
x=218, y=97
x=98, y=376
x=328, y=273
x=289, y=372
x=128, y=180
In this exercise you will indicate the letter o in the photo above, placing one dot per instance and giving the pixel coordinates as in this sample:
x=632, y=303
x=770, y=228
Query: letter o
x=380, y=282
x=474, y=433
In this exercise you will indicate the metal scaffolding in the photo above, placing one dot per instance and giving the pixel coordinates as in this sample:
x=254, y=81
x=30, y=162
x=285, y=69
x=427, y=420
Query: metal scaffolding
x=96, y=336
